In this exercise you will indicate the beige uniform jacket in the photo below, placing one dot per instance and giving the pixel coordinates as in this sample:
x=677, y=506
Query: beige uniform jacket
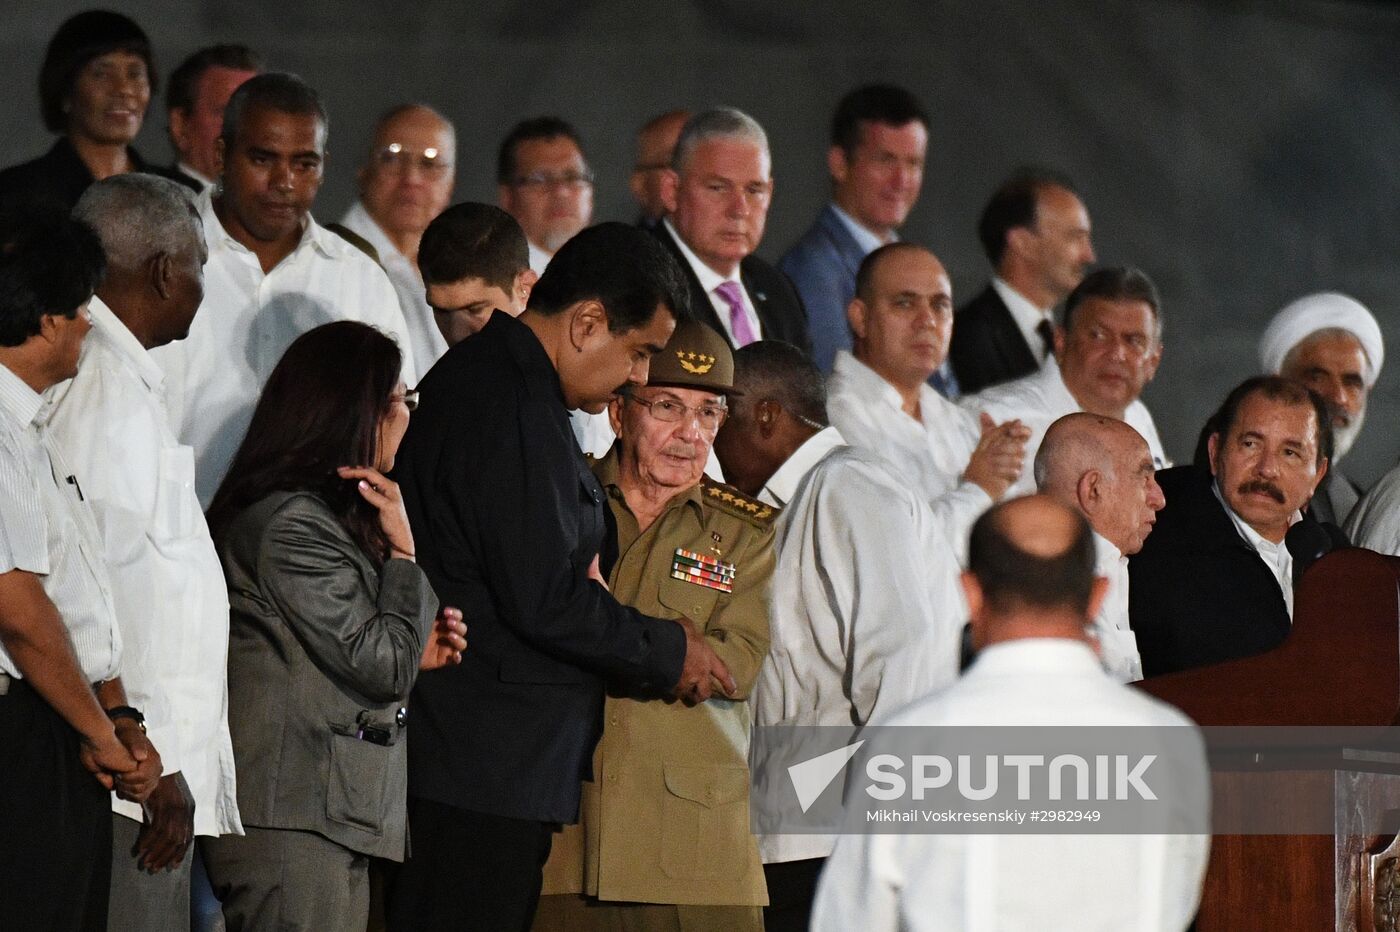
x=665, y=818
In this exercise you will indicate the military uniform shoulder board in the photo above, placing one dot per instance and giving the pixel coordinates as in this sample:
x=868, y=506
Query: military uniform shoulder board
x=730, y=500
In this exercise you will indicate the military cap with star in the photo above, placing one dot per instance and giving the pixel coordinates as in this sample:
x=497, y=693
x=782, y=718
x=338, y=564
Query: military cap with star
x=695, y=357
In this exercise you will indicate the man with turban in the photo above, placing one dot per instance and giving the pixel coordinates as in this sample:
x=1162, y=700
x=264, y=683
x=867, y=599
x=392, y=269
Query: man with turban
x=1333, y=345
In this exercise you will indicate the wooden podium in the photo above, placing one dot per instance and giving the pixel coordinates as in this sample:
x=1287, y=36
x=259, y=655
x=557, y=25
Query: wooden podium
x=1340, y=666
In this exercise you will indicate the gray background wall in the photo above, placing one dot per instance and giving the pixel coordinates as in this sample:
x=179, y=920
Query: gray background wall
x=1242, y=153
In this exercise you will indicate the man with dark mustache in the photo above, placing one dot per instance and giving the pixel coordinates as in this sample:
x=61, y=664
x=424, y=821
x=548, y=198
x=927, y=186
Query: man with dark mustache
x=1215, y=580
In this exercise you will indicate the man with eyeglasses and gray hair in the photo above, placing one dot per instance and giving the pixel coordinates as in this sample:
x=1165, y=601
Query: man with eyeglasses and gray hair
x=544, y=182
x=663, y=839
x=717, y=195
x=405, y=182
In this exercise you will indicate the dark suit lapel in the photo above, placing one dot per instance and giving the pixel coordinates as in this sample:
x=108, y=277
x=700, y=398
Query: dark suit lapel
x=700, y=305
x=1011, y=345
x=762, y=304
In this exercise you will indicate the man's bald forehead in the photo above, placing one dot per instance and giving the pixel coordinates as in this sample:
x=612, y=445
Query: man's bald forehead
x=1078, y=442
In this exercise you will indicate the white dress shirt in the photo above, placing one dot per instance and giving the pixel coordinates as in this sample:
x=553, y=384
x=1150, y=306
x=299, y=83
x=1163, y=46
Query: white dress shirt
x=929, y=454
x=47, y=528
x=169, y=589
x=1275, y=556
x=1118, y=648
x=1039, y=400
x=710, y=280
x=866, y=613
x=1028, y=317
x=1375, y=521
x=1000, y=883
x=423, y=333
x=247, y=321
x=539, y=259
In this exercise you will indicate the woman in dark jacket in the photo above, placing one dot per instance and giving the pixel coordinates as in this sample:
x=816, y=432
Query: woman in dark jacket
x=331, y=619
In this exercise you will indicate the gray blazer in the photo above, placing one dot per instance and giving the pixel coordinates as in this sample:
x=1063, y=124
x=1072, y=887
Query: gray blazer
x=320, y=642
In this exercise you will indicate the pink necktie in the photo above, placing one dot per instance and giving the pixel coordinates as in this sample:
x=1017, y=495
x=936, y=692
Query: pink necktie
x=738, y=320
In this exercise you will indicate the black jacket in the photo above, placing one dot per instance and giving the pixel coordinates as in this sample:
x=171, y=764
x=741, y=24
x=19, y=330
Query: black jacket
x=506, y=518
x=987, y=347
x=780, y=311
x=56, y=179
x=1198, y=593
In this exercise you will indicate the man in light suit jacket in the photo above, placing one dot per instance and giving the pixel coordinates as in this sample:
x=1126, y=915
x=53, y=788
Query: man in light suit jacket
x=1035, y=232
x=717, y=195
x=878, y=137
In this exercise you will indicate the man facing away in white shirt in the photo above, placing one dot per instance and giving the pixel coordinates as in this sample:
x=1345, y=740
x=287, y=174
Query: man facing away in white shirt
x=1105, y=354
x=1103, y=469
x=406, y=181
x=273, y=272
x=902, y=318
x=865, y=616
x=1031, y=589
x=168, y=586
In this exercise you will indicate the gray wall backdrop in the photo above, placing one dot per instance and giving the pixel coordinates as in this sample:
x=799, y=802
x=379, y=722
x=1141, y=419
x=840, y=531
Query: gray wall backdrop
x=1242, y=153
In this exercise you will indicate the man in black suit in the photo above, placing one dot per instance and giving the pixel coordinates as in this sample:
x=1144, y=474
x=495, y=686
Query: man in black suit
x=1035, y=232
x=717, y=195
x=199, y=90
x=1215, y=579
x=509, y=521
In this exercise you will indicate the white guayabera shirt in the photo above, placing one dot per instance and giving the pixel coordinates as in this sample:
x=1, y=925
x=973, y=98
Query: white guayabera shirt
x=990, y=883
x=247, y=321
x=866, y=612
x=928, y=454
x=171, y=600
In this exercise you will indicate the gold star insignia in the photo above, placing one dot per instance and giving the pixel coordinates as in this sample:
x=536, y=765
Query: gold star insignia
x=727, y=496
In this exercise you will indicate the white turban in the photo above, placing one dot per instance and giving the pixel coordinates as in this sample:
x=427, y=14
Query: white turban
x=1322, y=311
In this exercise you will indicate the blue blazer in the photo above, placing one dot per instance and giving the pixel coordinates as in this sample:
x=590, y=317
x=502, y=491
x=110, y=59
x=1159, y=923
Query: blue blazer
x=822, y=264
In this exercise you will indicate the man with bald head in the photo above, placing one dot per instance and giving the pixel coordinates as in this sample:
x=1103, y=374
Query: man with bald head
x=1031, y=588
x=167, y=584
x=405, y=182
x=717, y=193
x=902, y=318
x=656, y=143
x=1333, y=345
x=1102, y=468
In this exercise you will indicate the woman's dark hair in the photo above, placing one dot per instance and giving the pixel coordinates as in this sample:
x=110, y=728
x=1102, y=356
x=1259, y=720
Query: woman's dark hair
x=320, y=409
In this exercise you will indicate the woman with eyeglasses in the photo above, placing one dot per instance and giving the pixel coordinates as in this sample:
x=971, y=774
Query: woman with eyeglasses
x=331, y=620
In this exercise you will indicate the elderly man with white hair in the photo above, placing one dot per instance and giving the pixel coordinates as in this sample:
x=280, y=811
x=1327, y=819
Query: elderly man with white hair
x=1333, y=345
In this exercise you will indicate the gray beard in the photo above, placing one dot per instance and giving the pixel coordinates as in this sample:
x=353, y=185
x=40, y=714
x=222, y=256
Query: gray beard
x=1344, y=437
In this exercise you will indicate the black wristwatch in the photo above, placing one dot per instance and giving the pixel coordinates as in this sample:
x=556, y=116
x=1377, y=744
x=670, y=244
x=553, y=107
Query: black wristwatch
x=126, y=711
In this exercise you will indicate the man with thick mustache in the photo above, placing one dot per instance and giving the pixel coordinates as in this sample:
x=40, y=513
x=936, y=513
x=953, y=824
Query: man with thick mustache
x=1215, y=580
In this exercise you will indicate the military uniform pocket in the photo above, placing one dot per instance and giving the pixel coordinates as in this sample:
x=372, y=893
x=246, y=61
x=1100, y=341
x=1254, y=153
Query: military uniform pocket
x=704, y=821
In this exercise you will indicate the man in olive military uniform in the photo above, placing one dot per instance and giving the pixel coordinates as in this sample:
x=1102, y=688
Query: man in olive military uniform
x=663, y=837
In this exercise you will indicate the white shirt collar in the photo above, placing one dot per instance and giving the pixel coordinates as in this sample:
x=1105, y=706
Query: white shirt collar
x=16, y=397
x=1026, y=315
x=709, y=278
x=357, y=218
x=1107, y=552
x=865, y=238
x=205, y=182
x=1024, y=655
x=782, y=485
x=124, y=342
x=872, y=386
x=313, y=235
x=1262, y=545
x=539, y=259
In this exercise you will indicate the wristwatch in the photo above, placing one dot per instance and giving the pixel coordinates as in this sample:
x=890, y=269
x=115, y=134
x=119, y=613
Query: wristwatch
x=126, y=711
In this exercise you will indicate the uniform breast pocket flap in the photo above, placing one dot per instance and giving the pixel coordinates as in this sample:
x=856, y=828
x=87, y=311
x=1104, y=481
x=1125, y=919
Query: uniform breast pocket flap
x=690, y=599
